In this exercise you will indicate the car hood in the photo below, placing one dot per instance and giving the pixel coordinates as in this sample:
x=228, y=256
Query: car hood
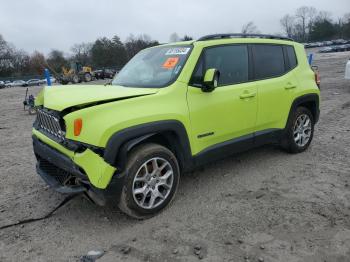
x=62, y=97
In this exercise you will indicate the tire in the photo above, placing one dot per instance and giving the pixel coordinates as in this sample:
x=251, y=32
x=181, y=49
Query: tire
x=87, y=77
x=136, y=202
x=299, y=131
x=75, y=79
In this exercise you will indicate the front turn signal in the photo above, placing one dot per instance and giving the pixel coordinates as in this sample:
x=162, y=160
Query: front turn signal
x=78, y=125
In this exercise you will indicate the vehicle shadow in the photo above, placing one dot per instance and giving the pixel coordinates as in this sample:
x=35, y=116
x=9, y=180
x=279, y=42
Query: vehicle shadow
x=193, y=185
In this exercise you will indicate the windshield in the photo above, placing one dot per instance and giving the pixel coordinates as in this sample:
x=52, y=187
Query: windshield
x=154, y=67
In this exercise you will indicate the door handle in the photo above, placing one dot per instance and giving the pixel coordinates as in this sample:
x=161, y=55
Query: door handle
x=290, y=86
x=247, y=95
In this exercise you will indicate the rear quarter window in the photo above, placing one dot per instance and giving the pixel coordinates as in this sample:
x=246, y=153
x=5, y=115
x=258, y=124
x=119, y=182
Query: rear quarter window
x=292, y=59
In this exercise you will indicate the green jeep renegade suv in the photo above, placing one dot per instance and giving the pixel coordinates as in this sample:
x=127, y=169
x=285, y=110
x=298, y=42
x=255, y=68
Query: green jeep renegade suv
x=171, y=109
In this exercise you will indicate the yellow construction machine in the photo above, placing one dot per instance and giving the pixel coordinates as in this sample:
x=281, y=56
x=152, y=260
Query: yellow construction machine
x=76, y=74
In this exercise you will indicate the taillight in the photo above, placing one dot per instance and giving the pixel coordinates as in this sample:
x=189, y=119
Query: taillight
x=317, y=78
x=78, y=125
x=317, y=75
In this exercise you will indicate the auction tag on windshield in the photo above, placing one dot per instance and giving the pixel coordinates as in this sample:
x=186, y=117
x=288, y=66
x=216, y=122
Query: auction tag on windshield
x=170, y=62
x=178, y=51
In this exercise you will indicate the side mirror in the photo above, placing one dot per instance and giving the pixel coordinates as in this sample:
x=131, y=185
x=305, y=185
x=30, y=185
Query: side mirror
x=211, y=79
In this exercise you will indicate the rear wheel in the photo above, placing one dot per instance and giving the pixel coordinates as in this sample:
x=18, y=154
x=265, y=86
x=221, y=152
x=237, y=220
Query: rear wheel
x=152, y=176
x=87, y=77
x=299, y=131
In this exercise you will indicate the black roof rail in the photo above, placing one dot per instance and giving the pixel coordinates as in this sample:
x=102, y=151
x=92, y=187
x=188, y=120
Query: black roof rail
x=235, y=35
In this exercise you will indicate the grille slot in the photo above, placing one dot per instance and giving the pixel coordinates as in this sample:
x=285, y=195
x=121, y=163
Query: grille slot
x=50, y=124
x=63, y=177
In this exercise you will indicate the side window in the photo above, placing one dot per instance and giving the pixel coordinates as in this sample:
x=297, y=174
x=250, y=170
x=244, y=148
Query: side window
x=268, y=61
x=291, y=57
x=230, y=60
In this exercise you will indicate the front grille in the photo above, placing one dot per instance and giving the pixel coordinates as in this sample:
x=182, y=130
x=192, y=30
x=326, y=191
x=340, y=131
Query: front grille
x=63, y=177
x=49, y=124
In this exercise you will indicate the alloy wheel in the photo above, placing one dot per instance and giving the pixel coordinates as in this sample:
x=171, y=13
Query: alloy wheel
x=302, y=130
x=153, y=183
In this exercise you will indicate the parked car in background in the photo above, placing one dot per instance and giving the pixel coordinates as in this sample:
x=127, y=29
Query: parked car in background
x=98, y=74
x=336, y=42
x=327, y=49
x=33, y=82
x=8, y=83
x=104, y=73
x=343, y=48
x=347, y=70
x=109, y=73
x=2, y=84
x=19, y=83
x=44, y=81
x=339, y=42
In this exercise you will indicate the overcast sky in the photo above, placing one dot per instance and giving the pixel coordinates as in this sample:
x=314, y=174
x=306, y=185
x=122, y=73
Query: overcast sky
x=44, y=24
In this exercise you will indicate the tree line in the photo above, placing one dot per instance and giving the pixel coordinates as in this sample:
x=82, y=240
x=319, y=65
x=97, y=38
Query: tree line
x=103, y=53
x=307, y=24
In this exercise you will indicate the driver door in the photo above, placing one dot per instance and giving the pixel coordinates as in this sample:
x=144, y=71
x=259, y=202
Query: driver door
x=227, y=114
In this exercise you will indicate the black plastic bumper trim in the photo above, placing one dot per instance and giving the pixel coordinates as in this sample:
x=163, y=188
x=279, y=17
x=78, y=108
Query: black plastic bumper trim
x=60, y=161
x=56, y=185
x=56, y=158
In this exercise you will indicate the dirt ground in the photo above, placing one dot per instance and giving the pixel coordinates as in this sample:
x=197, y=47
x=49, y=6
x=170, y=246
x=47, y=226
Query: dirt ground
x=262, y=205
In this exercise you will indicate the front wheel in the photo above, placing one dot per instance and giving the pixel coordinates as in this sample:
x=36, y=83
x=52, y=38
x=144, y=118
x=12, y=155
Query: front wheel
x=152, y=176
x=75, y=79
x=299, y=131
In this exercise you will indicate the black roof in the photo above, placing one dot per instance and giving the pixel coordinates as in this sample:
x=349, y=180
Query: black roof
x=235, y=35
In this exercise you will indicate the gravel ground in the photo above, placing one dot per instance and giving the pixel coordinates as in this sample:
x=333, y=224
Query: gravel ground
x=262, y=205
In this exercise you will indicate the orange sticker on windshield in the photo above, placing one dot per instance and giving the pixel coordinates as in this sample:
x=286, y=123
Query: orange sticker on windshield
x=170, y=62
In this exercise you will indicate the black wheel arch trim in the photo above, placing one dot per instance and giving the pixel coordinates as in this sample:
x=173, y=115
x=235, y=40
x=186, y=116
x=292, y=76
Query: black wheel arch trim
x=304, y=99
x=121, y=142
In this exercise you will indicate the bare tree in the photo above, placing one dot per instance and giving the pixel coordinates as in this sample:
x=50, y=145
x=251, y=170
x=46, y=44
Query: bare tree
x=250, y=28
x=56, y=60
x=134, y=44
x=37, y=62
x=345, y=26
x=287, y=23
x=186, y=38
x=82, y=53
x=20, y=62
x=305, y=15
x=324, y=16
x=346, y=18
x=174, y=37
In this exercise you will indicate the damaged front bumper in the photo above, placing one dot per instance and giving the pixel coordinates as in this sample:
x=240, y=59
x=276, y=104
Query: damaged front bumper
x=72, y=172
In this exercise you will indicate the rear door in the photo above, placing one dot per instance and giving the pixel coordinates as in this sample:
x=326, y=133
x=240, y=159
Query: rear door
x=230, y=110
x=276, y=83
